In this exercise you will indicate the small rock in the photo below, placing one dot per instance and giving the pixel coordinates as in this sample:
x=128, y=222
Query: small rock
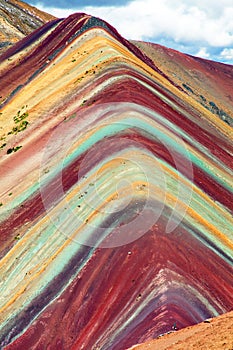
x=208, y=320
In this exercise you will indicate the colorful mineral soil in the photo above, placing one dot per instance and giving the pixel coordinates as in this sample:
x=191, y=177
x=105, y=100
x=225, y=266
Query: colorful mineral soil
x=18, y=19
x=116, y=190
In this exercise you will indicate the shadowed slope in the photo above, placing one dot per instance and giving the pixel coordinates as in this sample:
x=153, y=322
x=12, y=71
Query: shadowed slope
x=18, y=19
x=116, y=194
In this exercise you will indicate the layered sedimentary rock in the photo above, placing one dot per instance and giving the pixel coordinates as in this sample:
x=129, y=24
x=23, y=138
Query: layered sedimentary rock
x=18, y=19
x=116, y=191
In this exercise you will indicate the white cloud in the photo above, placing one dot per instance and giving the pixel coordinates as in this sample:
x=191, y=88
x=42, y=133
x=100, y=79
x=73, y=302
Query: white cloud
x=199, y=23
x=227, y=54
x=58, y=12
x=203, y=53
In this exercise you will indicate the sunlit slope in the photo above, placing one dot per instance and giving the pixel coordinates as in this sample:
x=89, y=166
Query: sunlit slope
x=208, y=82
x=116, y=194
x=18, y=19
x=215, y=334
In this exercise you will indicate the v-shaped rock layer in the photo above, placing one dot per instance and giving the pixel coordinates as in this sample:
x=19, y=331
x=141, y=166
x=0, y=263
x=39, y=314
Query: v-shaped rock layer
x=116, y=192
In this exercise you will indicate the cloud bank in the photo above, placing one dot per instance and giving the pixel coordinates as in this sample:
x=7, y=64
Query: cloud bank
x=202, y=28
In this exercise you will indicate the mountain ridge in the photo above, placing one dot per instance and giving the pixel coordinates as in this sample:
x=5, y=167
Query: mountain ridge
x=102, y=151
x=17, y=20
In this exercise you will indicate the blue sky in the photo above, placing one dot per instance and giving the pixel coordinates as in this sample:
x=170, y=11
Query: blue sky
x=199, y=27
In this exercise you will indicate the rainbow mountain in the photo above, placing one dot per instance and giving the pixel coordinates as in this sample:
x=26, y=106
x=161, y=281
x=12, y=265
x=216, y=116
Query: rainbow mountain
x=116, y=189
x=18, y=19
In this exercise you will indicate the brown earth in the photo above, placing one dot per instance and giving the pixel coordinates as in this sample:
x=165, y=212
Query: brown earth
x=207, y=82
x=212, y=334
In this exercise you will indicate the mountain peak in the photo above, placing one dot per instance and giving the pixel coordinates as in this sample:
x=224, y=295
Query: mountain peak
x=116, y=161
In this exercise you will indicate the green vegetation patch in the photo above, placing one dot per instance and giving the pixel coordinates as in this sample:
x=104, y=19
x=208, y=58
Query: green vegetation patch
x=14, y=149
x=20, y=121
